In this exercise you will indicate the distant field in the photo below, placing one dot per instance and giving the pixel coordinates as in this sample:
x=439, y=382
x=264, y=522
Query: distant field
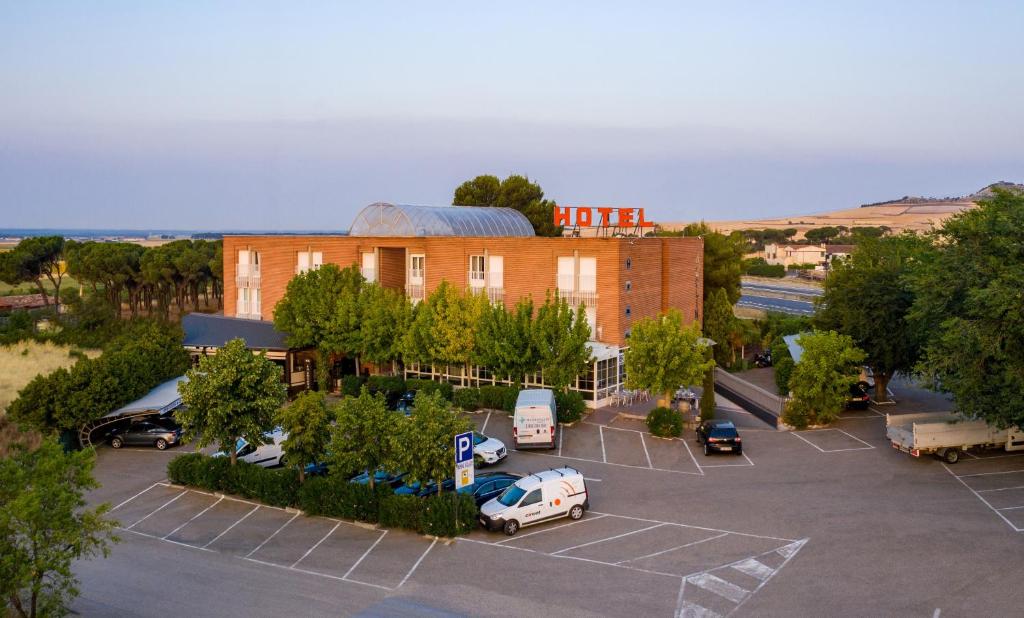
x=21, y=362
x=6, y=289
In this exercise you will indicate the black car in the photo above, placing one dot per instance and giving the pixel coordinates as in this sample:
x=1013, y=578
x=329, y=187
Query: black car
x=403, y=403
x=160, y=433
x=859, y=398
x=719, y=437
x=486, y=485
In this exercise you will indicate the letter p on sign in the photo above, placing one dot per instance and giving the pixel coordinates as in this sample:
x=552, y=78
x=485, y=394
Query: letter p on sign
x=464, y=447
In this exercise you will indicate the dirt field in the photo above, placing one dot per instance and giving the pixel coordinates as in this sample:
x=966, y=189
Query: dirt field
x=917, y=217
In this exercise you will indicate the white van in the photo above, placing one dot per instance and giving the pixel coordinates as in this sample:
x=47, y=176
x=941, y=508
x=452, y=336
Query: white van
x=535, y=419
x=266, y=455
x=542, y=496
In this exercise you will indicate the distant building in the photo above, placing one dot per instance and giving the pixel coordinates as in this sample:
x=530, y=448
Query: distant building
x=837, y=252
x=790, y=255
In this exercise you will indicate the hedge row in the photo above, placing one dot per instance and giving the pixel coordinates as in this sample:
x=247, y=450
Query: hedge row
x=328, y=496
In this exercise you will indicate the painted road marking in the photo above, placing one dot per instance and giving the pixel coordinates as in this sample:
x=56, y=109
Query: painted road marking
x=415, y=566
x=719, y=586
x=365, y=554
x=483, y=429
x=158, y=509
x=611, y=538
x=524, y=536
x=977, y=495
x=604, y=457
x=646, y=454
x=134, y=497
x=315, y=545
x=243, y=518
x=753, y=568
x=671, y=549
x=265, y=541
x=194, y=517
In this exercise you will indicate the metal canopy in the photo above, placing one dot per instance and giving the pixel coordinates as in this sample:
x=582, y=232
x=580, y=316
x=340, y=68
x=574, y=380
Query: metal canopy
x=382, y=219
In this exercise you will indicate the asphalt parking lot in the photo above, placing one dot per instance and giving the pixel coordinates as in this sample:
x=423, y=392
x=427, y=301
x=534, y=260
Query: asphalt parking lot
x=821, y=522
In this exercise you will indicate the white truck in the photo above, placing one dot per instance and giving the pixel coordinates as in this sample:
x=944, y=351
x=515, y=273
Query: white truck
x=946, y=435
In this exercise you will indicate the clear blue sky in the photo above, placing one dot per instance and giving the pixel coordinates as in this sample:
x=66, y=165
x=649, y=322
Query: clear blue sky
x=295, y=115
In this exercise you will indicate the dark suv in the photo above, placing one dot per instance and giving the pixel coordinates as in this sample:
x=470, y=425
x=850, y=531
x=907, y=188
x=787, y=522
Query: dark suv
x=719, y=437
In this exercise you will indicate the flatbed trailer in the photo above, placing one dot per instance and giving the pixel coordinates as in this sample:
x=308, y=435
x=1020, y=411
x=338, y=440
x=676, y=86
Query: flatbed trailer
x=947, y=434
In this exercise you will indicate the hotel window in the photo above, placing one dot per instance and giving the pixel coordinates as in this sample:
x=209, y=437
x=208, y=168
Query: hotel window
x=477, y=271
x=629, y=311
x=369, y=266
x=629, y=263
x=629, y=286
x=309, y=260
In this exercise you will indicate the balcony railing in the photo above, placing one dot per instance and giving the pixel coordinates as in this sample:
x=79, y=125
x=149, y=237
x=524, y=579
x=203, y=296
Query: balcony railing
x=414, y=291
x=585, y=293
x=496, y=295
x=476, y=278
x=248, y=311
x=370, y=274
x=247, y=275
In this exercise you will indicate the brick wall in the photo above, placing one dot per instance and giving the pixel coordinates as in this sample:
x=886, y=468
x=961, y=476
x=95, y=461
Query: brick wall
x=664, y=272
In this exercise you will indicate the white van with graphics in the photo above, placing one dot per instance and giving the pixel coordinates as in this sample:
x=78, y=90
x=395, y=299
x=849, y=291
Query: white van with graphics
x=542, y=496
x=535, y=419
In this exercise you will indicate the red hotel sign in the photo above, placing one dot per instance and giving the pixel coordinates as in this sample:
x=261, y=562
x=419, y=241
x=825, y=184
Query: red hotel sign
x=600, y=217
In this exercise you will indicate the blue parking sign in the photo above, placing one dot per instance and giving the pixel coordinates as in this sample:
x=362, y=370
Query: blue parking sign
x=464, y=447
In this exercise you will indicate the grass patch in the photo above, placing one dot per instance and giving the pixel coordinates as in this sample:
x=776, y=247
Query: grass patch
x=22, y=361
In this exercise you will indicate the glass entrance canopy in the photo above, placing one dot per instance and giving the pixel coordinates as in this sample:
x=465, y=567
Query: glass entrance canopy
x=382, y=219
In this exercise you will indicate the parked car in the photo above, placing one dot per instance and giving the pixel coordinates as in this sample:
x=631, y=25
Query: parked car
x=719, y=437
x=380, y=477
x=534, y=419
x=542, y=496
x=265, y=455
x=486, y=450
x=160, y=433
x=859, y=398
x=486, y=485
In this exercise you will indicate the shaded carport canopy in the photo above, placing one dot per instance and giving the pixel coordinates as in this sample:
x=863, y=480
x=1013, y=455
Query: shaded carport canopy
x=214, y=331
x=163, y=398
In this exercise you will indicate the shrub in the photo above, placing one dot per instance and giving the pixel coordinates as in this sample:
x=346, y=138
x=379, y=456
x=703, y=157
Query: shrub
x=570, y=406
x=274, y=487
x=350, y=385
x=429, y=386
x=449, y=514
x=795, y=415
x=665, y=423
x=498, y=397
x=400, y=512
x=389, y=385
x=783, y=370
x=758, y=267
x=335, y=496
x=467, y=398
x=198, y=470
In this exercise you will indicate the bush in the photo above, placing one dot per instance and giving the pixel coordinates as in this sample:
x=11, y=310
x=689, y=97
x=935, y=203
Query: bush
x=335, y=496
x=351, y=385
x=273, y=487
x=758, y=267
x=783, y=370
x=467, y=398
x=448, y=514
x=498, y=397
x=665, y=423
x=806, y=266
x=400, y=512
x=430, y=386
x=570, y=406
x=796, y=416
x=391, y=386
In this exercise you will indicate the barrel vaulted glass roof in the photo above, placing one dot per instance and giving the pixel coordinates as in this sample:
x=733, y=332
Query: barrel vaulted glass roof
x=383, y=219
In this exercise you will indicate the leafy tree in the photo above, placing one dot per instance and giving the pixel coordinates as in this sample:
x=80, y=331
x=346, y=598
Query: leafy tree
x=45, y=526
x=718, y=324
x=664, y=355
x=34, y=259
x=820, y=235
x=504, y=341
x=366, y=435
x=869, y=297
x=443, y=327
x=234, y=394
x=307, y=421
x=821, y=381
x=723, y=260
x=968, y=297
x=320, y=308
x=516, y=192
x=560, y=336
x=428, y=439
x=386, y=315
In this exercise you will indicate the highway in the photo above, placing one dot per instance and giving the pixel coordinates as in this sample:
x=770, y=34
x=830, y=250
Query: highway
x=781, y=287
x=794, y=307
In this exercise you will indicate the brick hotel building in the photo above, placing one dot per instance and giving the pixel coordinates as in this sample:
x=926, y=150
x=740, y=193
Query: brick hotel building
x=490, y=251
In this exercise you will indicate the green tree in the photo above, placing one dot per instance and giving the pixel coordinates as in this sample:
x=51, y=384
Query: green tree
x=969, y=298
x=560, y=336
x=664, y=355
x=723, y=260
x=386, y=315
x=307, y=421
x=234, y=394
x=46, y=525
x=428, y=439
x=719, y=322
x=321, y=309
x=820, y=235
x=517, y=192
x=34, y=259
x=504, y=341
x=821, y=381
x=443, y=328
x=869, y=297
x=366, y=435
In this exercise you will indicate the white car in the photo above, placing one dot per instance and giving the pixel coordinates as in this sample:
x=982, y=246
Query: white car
x=542, y=496
x=265, y=455
x=487, y=450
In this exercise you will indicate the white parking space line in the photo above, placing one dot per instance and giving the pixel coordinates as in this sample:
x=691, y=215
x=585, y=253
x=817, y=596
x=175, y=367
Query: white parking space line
x=265, y=541
x=980, y=497
x=156, y=538
x=835, y=450
x=483, y=429
x=542, y=531
x=669, y=523
x=735, y=465
x=617, y=536
x=609, y=463
x=415, y=566
x=315, y=545
x=671, y=549
x=646, y=454
x=134, y=497
x=591, y=480
x=1010, y=508
x=316, y=573
x=604, y=456
x=719, y=586
x=157, y=510
x=964, y=476
x=690, y=453
x=876, y=411
x=193, y=518
x=987, y=457
x=856, y=438
x=243, y=518
x=365, y=554
x=981, y=491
